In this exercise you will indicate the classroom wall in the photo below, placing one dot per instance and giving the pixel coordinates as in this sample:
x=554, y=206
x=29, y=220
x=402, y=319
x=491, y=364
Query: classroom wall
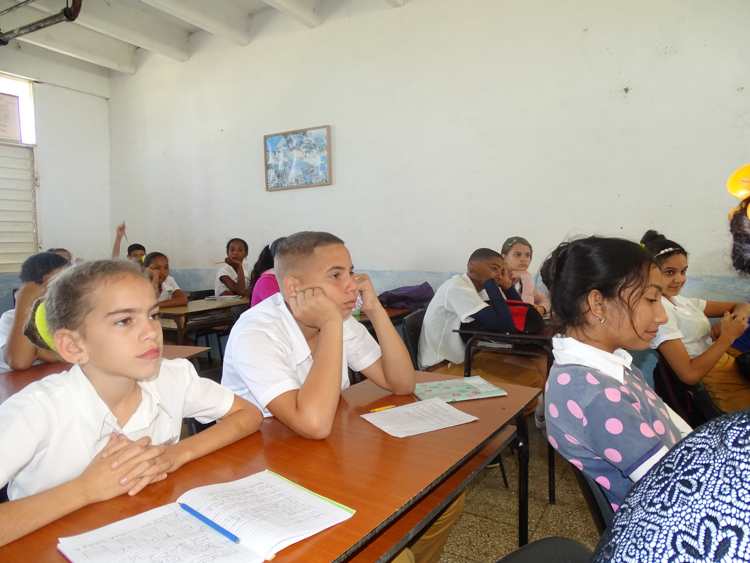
x=454, y=126
x=72, y=152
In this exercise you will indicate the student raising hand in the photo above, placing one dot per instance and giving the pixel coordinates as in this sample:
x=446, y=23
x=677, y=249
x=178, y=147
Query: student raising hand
x=312, y=307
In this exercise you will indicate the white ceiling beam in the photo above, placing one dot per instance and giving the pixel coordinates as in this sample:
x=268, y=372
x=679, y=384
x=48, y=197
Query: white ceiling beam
x=125, y=22
x=74, y=41
x=223, y=19
x=306, y=11
x=396, y=3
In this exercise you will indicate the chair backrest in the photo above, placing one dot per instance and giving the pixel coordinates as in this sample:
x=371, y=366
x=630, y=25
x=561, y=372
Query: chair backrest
x=411, y=327
x=601, y=511
x=691, y=402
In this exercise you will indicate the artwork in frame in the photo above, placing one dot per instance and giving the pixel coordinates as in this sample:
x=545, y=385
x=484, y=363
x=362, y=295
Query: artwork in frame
x=298, y=159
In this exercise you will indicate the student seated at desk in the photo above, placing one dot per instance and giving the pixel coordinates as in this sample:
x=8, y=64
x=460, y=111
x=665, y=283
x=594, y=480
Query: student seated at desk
x=156, y=265
x=136, y=251
x=17, y=352
x=110, y=425
x=695, y=350
x=517, y=253
x=601, y=414
x=475, y=301
x=263, y=282
x=289, y=354
x=231, y=279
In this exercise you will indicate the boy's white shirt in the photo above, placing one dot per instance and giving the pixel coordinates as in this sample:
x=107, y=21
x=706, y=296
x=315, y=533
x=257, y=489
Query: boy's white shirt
x=6, y=326
x=267, y=354
x=52, y=429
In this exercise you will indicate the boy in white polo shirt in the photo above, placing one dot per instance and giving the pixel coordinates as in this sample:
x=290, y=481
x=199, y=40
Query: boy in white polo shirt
x=290, y=353
x=474, y=300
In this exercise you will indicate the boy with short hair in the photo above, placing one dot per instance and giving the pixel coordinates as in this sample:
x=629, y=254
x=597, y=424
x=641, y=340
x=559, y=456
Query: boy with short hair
x=136, y=251
x=289, y=354
x=476, y=300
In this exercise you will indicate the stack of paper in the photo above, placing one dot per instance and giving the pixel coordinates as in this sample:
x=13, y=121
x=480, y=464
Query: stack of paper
x=458, y=389
x=417, y=418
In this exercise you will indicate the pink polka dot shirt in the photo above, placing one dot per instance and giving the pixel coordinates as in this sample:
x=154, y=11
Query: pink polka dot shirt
x=607, y=422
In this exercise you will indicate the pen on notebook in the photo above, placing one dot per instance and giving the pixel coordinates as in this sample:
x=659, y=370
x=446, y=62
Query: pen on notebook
x=385, y=408
x=223, y=531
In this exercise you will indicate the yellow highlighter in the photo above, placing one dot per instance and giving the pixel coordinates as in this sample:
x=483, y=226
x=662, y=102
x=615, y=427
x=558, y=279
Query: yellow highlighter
x=385, y=408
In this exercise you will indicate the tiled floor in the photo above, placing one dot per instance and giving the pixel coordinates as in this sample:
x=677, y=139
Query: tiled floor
x=488, y=528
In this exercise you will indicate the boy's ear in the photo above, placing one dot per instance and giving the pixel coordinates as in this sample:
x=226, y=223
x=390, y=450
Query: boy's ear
x=291, y=285
x=70, y=346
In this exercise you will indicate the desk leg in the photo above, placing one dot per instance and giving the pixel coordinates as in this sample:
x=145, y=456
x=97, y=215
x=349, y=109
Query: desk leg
x=523, y=480
x=181, y=327
x=551, y=473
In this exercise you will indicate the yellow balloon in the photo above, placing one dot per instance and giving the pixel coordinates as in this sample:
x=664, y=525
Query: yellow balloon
x=738, y=183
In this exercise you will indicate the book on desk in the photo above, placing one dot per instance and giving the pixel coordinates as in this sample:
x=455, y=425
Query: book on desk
x=248, y=520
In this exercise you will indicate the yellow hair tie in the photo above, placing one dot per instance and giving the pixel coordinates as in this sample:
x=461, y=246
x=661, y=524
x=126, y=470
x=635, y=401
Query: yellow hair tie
x=738, y=184
x=40, y=321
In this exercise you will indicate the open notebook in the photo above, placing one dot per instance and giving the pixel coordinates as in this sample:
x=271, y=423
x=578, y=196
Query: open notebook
x=248, y=520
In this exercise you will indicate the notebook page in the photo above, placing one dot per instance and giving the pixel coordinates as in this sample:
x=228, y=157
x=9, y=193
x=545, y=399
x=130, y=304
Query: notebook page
x=266, y=511
x=161, y=535
x=417, y=418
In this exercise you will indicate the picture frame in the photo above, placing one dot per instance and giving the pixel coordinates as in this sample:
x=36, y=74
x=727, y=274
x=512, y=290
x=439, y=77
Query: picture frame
x=300, y=158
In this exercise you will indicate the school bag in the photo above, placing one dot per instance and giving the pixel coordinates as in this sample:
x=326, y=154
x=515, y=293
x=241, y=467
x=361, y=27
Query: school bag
x=526, y=318
x=410, y=297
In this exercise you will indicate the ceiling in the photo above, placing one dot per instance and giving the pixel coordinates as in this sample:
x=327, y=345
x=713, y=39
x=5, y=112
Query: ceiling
x=108, y=33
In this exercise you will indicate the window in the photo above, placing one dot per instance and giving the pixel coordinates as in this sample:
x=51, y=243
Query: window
x=18, y=234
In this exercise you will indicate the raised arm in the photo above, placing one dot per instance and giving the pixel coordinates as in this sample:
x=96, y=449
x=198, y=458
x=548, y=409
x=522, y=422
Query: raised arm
x=393, y=370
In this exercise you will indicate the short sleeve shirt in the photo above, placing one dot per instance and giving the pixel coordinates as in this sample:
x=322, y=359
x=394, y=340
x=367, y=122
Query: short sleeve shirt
x=686, y=321
x=267, y=354
x=52, y=429
x=454, y=303
x=605, y=428
x=168, y=287
x=225, y=270
x=6, y=325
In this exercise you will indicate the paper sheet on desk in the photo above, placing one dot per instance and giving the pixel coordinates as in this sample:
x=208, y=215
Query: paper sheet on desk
x=418, y=418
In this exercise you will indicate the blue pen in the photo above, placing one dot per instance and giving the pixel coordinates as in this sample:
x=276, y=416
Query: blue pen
x=223, y=531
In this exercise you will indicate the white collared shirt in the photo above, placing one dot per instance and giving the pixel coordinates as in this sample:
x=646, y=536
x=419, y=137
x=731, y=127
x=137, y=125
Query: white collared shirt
x=52, y=429
x=571, y=351
x=454, y=303
x=686, y=321
x=6, y=326
x=168, y=287
x=231, y=273
x=267, y=354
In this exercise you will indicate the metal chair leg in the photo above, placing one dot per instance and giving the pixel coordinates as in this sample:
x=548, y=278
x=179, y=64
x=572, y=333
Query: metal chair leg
x=502, y=471
x=551, y=473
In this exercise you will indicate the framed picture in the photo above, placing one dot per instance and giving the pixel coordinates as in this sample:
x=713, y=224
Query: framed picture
x=298, y=159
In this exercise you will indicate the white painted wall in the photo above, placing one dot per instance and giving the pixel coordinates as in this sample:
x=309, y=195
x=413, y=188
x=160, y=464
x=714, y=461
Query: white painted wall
x=72, y=159
x=455, y=124
x=72, y=152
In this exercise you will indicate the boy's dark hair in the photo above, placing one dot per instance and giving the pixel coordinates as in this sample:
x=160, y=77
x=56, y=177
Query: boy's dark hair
x=739, y=226
x=241, y=241
x=300, y=245
x=134, y=247
x=609, y=265
x=36, y=266
x=481, y=254
x=660, y=246
x=513, y=241
x=264, y=262
x=151, y=256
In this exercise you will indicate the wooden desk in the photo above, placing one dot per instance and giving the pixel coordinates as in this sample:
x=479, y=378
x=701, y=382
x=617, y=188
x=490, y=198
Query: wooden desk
x=13, y=381
x=394, y=484
x=201, y=313
x=396, y=315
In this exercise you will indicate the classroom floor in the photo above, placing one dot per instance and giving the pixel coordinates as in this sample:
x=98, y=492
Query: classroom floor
x=488, y=528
